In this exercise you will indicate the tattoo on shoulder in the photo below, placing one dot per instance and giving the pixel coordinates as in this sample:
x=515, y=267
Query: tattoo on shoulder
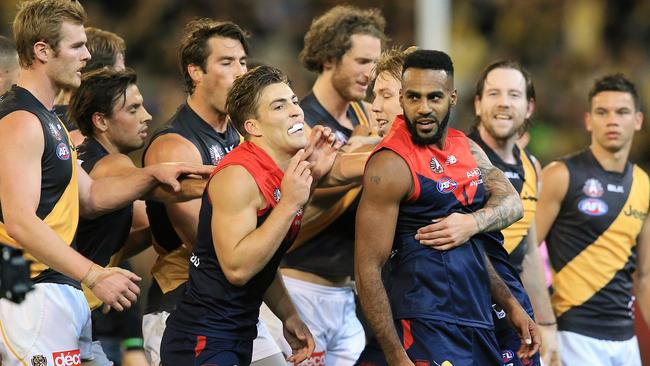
x=375, y=179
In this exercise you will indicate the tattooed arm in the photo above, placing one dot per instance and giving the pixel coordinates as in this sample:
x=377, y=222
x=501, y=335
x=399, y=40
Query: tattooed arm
x=517, y=316
x=502, y=208
x=386, y=182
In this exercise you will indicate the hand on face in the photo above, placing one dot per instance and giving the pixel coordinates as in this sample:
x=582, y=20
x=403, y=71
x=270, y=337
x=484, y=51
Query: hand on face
x=321, y=151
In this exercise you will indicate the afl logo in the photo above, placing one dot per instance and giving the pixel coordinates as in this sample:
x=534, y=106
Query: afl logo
x=446, y=185
x=277, y=195
x=593, y=206
x=593, y=188
x=436, y=166
x=507, y=355
x=62, y=151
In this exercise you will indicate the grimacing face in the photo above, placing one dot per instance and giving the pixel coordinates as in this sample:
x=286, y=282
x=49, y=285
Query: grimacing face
x=612, y=120
x=503, y=107
x=427, y=97
x=386, y=104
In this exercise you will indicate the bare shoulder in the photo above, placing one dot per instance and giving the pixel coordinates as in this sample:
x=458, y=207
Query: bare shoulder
x=387, y=172
x=21, y=127
x=112, y=165
x=555, y=180
x=234, y=186
x=172, y=147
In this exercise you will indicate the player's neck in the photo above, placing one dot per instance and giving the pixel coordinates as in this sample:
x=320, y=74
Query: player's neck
x=611, y=161
x=108, y=145
x=279, y=156
x=210, y=115
x=330, y=99
x=42, y=87
x=63, y=98
x=502, y=147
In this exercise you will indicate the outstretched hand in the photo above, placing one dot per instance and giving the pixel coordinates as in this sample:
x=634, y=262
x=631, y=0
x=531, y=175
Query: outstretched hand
x=168, y=173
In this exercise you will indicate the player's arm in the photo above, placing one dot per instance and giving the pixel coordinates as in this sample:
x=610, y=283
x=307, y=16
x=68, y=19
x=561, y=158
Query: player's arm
x=532, y=278
x=386, y=183
x=502, y=208
x=555, y=183
x=517, y=316
x=295, y=331
x=184, y=216
x=243, y=248
x=21, y=148
x=643, y=271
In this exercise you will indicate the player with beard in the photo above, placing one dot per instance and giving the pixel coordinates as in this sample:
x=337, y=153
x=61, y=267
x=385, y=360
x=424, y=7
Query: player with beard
x=343, y=46
x=433, y=305
x=504, y=102
x=40, y=211
x=593, y=213
x=250, y=215
x=8, y=64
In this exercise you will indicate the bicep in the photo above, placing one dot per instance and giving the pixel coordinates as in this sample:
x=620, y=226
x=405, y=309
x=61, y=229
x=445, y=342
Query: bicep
x=234, y=209
x=387, y=181
x=21, y=148
x=555, y=180
x=171, y=148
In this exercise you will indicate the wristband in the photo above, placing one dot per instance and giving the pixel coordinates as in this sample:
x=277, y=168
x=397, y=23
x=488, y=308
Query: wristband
x=547, y=324
x=133, y=344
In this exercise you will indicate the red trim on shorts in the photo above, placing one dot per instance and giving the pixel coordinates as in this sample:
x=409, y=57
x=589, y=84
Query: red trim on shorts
x=200, y=345
x=408, y=336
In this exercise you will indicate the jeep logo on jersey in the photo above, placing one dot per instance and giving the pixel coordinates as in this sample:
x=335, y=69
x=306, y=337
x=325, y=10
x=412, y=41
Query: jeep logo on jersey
x=593, y=206
x=446, y=185
x=436, y=166
x=593, y=188
x=39, y=360
x=62, y=151
x=67, y=358
x=277, y=195
x=216, y=154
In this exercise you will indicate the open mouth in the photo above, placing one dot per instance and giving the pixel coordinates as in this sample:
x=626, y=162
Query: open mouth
x=295, y=128
x=503, y=117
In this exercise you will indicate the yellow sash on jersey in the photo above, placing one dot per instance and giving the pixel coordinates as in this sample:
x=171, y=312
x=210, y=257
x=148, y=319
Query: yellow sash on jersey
x=321, y=212
x=515, y=233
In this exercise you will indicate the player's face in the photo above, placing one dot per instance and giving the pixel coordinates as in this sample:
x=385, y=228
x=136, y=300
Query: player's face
x=351, y=75
x=227, y=61
x=612, y=120
x=427, y=97
x=503, y=107
x=280, y=119
x=386, y=103
x=64, y=67
x=127, y=126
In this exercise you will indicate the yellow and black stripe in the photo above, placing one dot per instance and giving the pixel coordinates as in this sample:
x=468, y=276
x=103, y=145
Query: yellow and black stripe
x=592, y=247
x=58, y=206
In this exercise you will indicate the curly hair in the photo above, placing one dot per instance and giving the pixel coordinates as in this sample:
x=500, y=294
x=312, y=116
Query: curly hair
x=328, y=37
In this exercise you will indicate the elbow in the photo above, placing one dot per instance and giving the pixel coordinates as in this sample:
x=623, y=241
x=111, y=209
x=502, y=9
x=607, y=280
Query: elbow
x=237, y=277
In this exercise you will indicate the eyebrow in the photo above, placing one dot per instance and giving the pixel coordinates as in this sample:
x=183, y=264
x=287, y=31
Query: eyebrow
x=283, y=100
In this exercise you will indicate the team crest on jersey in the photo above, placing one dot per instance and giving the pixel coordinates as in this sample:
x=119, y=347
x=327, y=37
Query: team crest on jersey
x=451, y=160
x=216, y=154
x=593, y=188
x=54, y=131
x=62, y=151
x=39, y=360
x=277, y=195
x=436, y=166
x=446, y=185
x=593, y=206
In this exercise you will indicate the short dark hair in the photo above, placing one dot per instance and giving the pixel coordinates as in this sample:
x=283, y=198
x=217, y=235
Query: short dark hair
x=243, y=97
x=99, y=92
x=194, y=48
x=328, y=37
x=506, y=64
x=104, y=46
x=615, y=82
x=429, y=59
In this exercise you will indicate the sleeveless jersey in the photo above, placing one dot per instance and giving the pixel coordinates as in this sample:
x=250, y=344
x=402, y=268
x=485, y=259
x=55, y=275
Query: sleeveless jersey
x=447, y=286
x=58, y=205
x=592, y=247
x=170, y=271
x=211, y=305
x=327, y=241
x=523, y=177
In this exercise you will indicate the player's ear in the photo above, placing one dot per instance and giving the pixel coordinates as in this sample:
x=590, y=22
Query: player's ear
x=251, y=126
